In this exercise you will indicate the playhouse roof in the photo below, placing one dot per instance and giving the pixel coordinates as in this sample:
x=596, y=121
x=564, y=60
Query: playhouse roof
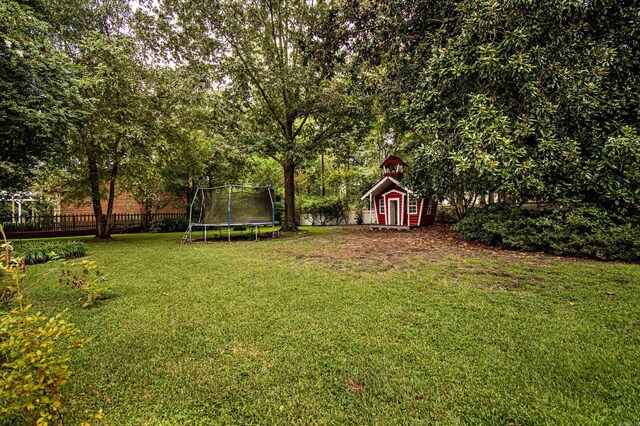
x=383, y=184
x=392, y=159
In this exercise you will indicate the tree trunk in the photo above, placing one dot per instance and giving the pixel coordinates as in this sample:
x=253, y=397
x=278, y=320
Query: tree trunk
x=148, y=214
x=289, y=222
x=94, y=183
x=322, y=173
x=112, y=193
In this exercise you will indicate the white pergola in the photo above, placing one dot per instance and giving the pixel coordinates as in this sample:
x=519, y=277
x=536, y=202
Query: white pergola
x=17, y=199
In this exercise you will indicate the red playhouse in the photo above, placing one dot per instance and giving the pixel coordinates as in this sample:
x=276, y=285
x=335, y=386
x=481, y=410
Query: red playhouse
x=396, y=206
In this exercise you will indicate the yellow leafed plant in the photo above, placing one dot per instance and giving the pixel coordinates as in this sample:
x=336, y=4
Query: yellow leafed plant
x=33, y=352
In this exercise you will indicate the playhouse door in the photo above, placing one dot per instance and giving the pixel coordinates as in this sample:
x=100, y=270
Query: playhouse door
x=393, y=212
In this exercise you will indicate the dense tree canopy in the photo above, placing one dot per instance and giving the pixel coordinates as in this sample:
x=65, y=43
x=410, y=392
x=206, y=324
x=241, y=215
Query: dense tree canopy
x=278, y=67
x=37, y=93
x=535, y=99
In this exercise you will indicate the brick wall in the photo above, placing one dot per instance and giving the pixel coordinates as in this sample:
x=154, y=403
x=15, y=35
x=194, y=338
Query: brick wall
x=125, y=203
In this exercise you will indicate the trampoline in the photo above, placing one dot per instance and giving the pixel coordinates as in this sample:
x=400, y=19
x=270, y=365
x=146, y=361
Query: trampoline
x=230, y=206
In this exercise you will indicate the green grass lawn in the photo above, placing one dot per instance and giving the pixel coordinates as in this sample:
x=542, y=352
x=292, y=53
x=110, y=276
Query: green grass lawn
x=303, y=330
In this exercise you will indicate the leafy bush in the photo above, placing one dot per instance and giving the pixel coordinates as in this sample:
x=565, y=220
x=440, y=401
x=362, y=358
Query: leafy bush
x=34, y=364
x=323, y=210
x=33, y=354
x=87, y=278
x=43, y=251
x=446, y=214
x=166, y=224
x=585, y=232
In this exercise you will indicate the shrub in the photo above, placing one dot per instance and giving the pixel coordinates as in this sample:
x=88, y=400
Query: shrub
x=87, y=278
x=167, y=224
x=33, y=354
x=43, y=251
x=446, y=214
x=585, y=232
x=323, y=210
x=360, y=206
x=34, y=364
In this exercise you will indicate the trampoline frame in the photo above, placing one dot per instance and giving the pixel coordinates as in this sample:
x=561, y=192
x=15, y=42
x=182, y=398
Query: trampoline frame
x=188, y=236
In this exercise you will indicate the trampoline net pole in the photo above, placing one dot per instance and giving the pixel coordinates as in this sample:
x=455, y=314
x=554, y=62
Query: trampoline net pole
x=273, y=213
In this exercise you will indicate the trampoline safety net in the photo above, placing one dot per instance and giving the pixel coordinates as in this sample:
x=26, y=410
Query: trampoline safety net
x=235, y=205
x=229, y=206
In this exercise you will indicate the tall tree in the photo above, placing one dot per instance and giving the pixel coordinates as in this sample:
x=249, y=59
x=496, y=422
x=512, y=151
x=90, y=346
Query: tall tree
x=191, y=150
x=117, y=119
x=536, y=99
x=37, y=94
x=118, y=127
x=278, y=63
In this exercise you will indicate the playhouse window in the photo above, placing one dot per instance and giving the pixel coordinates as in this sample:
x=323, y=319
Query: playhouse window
x=413, y=206
x=382, y=206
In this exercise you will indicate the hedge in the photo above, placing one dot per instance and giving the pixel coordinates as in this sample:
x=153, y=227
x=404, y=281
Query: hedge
x=584, y=232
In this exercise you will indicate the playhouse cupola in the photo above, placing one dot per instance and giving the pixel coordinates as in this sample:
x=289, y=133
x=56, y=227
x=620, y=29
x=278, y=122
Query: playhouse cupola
x=393, y=166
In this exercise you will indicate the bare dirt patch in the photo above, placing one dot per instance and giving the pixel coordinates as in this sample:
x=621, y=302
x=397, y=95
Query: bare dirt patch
x=359, y=248
x=355, y=386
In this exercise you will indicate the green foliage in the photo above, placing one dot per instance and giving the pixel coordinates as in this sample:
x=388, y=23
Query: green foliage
x=537, y=100
x=87, y=278
x=33, y=354
x=527, y=113
x=190, y=150
x=278, y=205
x=43, y=251
x=115, y=141
x=35, y=366
x=323, y=210
x=37, y=92
x=168, y=225
x=446, y=214
x=286, y=93
x=584, y=232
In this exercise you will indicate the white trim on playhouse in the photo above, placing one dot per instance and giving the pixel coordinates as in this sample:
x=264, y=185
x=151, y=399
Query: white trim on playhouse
x=383, y=181
x=412, y=202
x=384, y=194
x=399, y=209
x=420, y=215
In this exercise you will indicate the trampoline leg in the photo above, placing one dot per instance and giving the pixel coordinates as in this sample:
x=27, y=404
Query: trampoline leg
x=205, y=234
x=256, y=233
x=229, y=233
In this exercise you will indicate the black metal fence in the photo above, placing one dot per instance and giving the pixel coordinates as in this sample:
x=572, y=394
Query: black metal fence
x=80, y=223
